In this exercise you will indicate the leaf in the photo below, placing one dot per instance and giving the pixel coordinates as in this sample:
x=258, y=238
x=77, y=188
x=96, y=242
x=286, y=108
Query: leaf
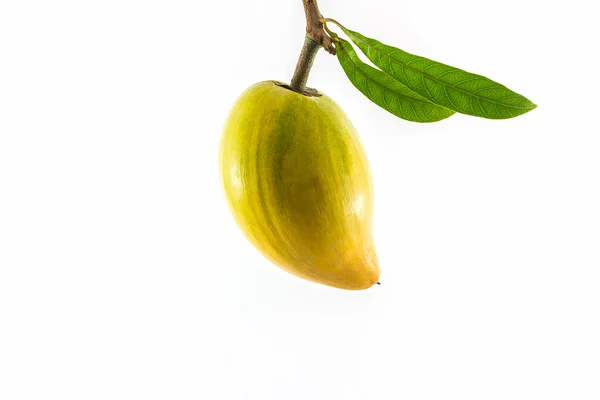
x=442, y=84
x=385, y=91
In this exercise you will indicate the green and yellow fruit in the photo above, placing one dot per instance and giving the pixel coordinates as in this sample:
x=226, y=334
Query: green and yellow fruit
x=299, y=186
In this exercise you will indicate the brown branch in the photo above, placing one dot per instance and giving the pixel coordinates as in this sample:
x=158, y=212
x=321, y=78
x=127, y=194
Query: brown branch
x=314, y=27
x=316, y=37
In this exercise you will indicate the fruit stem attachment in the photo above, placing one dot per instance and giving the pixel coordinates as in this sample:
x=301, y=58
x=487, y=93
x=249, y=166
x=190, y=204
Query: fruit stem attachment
x=305, y=62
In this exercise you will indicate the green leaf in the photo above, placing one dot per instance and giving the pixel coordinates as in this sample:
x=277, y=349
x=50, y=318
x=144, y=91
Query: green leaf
x=386, y=92
x=447, y=86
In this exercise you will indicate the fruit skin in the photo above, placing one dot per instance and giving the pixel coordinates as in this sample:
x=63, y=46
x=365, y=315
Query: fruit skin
x=298, y=183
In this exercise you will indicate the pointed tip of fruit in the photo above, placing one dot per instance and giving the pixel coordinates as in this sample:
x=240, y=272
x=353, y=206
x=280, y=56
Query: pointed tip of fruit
x=358, y=271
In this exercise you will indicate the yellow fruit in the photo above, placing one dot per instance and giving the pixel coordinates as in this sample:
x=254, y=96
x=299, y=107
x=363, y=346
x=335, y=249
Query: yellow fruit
x=299, y=186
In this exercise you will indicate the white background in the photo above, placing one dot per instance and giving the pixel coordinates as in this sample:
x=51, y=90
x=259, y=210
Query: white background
x=123, y=275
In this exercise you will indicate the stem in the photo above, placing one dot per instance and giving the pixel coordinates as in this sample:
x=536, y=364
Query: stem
x=305, y=62
x=316, y=37
x=314, y=26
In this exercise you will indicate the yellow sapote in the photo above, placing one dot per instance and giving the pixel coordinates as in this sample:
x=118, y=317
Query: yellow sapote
x=299, y=186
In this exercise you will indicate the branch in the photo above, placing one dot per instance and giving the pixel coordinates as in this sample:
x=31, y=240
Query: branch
x=314, y=27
